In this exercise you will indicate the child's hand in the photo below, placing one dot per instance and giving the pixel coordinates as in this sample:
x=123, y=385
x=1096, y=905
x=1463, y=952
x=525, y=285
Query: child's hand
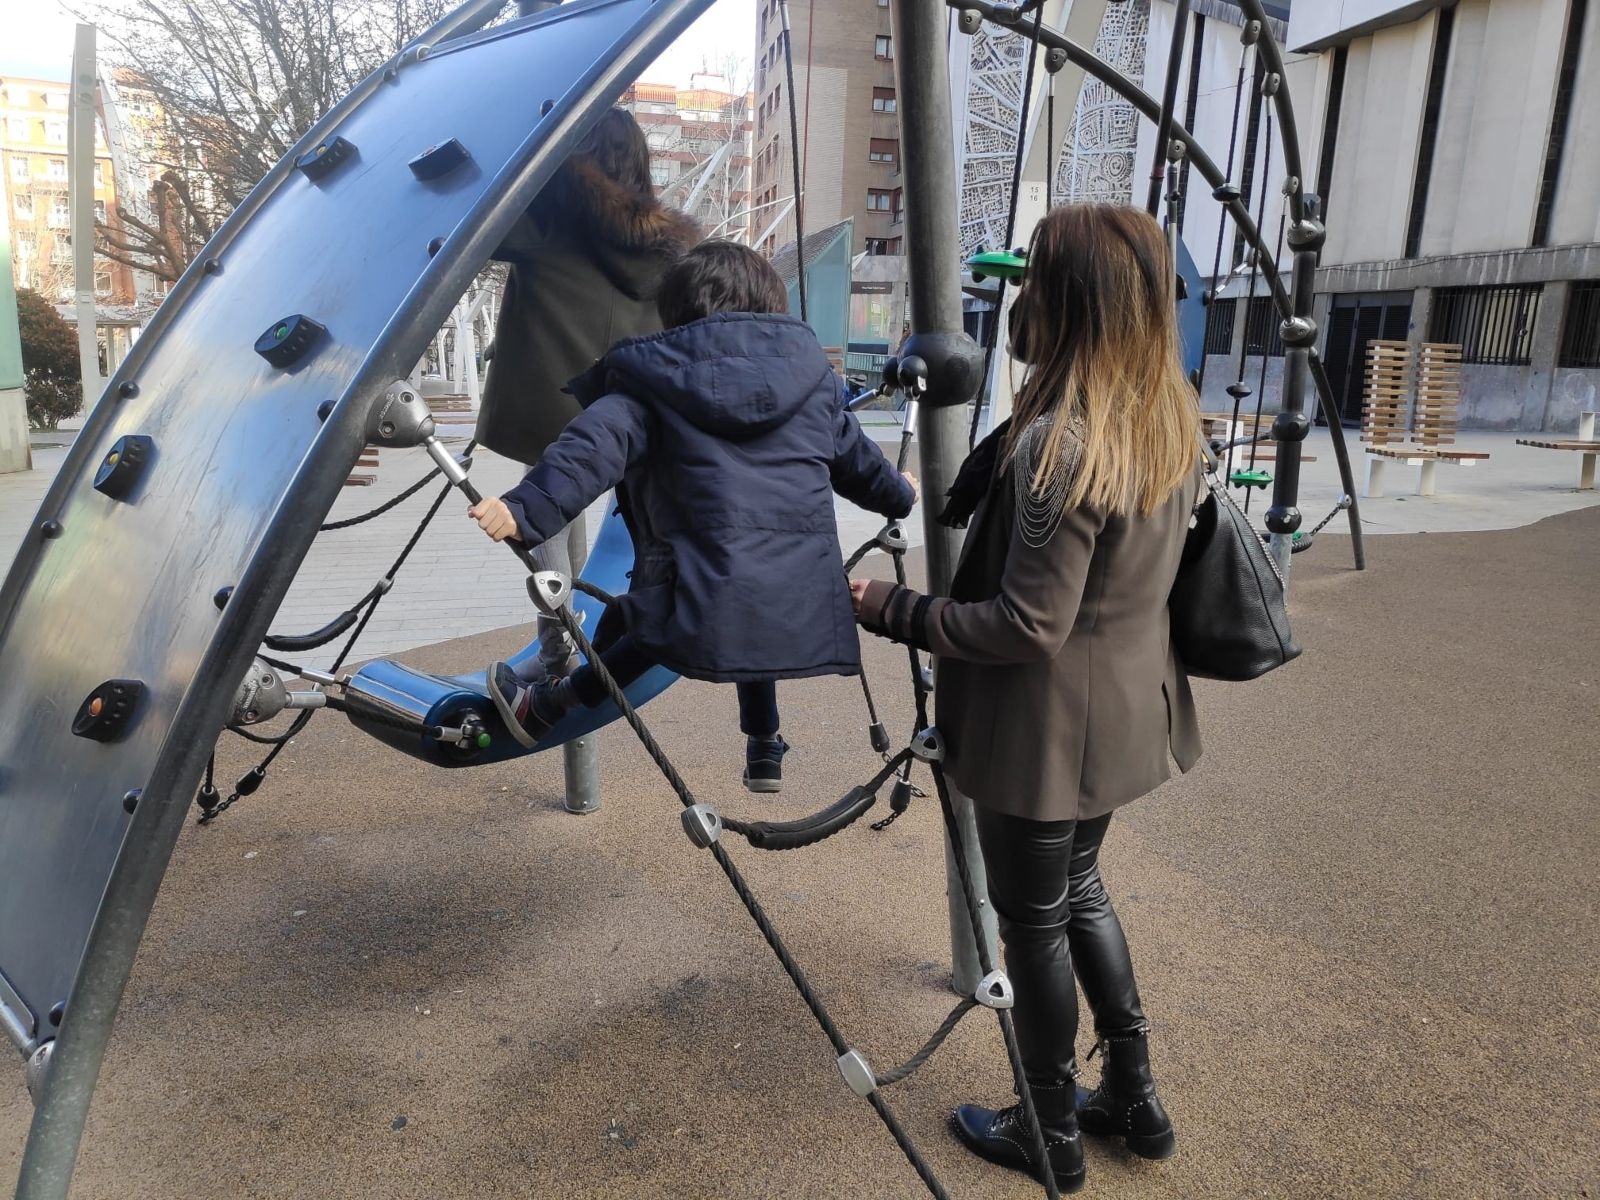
x=494, y=518
x=912, y=480
x=858, y=592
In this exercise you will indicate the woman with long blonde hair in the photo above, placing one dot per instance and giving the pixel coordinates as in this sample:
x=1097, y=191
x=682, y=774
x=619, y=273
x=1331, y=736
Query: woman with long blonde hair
x=1059, y=697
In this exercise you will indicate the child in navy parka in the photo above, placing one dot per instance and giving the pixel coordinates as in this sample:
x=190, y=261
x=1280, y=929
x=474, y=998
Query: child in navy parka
x=726, y=440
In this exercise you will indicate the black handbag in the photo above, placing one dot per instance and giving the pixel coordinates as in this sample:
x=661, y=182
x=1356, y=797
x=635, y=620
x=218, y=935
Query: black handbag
x=1229, y=611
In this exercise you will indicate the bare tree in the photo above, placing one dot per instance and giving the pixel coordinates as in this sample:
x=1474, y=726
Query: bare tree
x=232, y=85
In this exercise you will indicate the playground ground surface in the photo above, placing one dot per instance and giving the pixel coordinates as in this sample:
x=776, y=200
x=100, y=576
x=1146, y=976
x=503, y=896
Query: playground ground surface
x=1366, y=928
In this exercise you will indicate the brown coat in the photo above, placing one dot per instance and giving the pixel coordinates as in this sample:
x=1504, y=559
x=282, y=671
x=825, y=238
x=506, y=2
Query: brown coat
x=1058, y=695
x=586, y=259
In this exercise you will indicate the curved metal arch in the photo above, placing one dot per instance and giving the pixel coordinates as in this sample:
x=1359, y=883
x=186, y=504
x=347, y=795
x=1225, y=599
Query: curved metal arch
x=1082, y=57
x=163, y=800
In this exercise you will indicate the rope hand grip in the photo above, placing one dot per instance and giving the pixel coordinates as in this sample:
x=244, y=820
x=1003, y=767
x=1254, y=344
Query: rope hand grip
x=807, y=831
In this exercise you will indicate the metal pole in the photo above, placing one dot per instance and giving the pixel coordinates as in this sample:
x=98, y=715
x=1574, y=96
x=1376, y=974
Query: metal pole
x=1169, y=102
x=80, y=190
x=580, y=758
x=933, y=250
x=15, y=454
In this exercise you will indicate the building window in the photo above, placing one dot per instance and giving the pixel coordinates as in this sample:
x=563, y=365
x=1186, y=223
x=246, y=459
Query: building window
x=24, y=206
x=60, y=215
x=19, y=168
x=877, y=245
x=1261, y=328
x=882, y=47
x=660, y=174
x=1492, y=325
x=56, y=168
x=55, y=132
x=1560, y=120
x=1330, y=127
x=99, y=174
x=1430, y=130
x=884, y=150
x=1580, y=334
x=102, y=282
x=883, y=3
x=100, y=211
x=879, y=200
x=883, y=100
x=17, y=129
x=1219, y=326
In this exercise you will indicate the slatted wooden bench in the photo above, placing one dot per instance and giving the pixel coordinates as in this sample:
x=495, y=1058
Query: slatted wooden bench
x=366, y=472
x=1584, y=444
x=1430, y=395
x=1220, y=429
x=452, y=410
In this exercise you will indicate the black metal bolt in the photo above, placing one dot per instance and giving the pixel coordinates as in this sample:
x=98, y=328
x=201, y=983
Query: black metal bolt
x=51, y=529
x=57, y=1011
x=130, y=800
x=128, y=390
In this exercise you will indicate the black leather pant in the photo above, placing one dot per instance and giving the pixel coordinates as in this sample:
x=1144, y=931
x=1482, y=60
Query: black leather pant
x=1054, y=917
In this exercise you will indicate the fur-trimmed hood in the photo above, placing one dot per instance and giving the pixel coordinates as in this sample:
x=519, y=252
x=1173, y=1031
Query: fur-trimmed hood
x=631, y=238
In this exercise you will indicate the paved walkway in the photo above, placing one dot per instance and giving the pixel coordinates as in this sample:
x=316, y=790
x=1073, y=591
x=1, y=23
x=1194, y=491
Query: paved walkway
x=458, y=583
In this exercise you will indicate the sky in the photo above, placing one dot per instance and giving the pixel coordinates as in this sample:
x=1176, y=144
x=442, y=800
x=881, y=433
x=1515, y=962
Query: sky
x=38, y=41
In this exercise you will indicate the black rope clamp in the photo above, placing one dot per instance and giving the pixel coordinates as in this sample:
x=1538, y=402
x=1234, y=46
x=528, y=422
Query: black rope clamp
x=994, y=991
x=928, y=746
x=857, y=1072
x=703, y=824
x=549, y=591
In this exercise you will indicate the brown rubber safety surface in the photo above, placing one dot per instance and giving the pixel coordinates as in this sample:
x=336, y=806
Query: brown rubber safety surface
x=1366, y=930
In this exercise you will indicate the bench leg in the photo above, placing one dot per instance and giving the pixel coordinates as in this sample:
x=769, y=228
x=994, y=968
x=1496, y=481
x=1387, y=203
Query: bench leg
x=1425, y=477
x=1586, y=474
x=1374, y=487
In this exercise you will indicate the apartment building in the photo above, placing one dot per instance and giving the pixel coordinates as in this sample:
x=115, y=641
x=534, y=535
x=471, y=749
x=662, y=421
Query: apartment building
x=849, y=127
x=33, y=144
x=699, y=140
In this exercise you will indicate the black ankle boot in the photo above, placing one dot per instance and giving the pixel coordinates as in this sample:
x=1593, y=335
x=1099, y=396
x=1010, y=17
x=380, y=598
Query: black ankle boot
x=1125, y=1104
x=1003, y=1137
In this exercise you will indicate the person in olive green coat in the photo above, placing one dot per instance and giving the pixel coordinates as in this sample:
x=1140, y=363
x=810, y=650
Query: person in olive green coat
x=1059, y=695
x=585, y=261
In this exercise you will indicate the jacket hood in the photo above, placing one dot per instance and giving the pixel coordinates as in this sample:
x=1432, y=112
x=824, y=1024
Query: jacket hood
x=631, y=238
x=735, y=375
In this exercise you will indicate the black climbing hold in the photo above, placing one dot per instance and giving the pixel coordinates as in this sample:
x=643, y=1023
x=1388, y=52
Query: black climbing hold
x=128, y=390
x=1224, y=193
x=220, y=599
x=57, y=1011
x=124, y=465
x=1239, y=390
x=325, y=409
x=130, y=800
x=106, y=712
x=289, y=340
x=438, y=161
x=434, y=246
x=319, y=161
x=51, y=530
x=1283, y=518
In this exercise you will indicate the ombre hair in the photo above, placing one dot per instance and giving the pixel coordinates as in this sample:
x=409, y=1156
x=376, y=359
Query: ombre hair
x=1096, y=325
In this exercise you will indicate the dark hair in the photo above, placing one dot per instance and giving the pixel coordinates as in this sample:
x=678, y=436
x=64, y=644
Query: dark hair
x=616, y=147
x=719, y=277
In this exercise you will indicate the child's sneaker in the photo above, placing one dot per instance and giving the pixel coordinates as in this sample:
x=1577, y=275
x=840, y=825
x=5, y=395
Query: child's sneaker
x=763, y=763
x=528, y=709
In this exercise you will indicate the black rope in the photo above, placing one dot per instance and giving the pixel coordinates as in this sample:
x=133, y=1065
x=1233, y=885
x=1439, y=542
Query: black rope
x=752, y=906
x=386, y=506
x=914, y=1064
x=794, y=159
x=250, y=780
x=1222, y=217
x=992, y=333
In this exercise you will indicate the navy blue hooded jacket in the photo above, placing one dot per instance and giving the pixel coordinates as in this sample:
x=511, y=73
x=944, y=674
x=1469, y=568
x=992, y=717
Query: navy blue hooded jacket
x=726, y=439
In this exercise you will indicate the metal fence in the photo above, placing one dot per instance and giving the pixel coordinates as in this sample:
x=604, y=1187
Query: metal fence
x=1219, y=326
x=1580, y=331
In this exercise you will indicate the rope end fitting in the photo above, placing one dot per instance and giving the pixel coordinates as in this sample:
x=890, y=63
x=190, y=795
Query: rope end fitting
x=549, y=591
x=857, y=1073
x=995, y=991
x=928, y=746
x=703, y=824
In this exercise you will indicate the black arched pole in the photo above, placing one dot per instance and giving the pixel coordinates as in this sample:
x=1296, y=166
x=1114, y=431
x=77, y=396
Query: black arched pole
x=1299, y=203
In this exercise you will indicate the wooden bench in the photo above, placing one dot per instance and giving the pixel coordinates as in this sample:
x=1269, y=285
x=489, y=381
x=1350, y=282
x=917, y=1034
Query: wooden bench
x=1430, y=397
x=366, y=472
x=452, y=410
x=1584, y=444
x=1221, y=428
